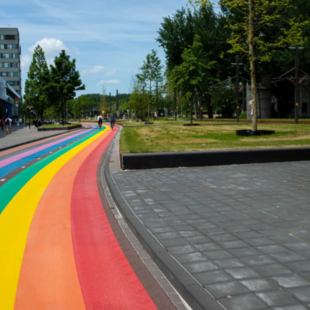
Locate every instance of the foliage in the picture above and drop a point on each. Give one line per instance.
(189, 76)
(64, 81)
(137, 102)
(253, 24)
(37, 82)
(151, 73)
(223, 101)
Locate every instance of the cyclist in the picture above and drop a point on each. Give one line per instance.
(112, 120)
(100, 120)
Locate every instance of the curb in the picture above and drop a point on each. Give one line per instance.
(213, 158)
(60, 128)
(194, 294)
(35, 140)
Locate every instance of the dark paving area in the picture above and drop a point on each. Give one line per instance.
(22, 134)
(243, 232)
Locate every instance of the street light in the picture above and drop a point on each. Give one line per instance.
(29, 108)
(296, 48)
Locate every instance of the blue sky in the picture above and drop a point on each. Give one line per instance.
(108, 39)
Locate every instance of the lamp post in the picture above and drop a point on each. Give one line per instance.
(79, 111)
(296, 48)
(237, 86)
(29, 108)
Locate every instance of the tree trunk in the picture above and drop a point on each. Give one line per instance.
(191, 111)
(201, 109)
(252, 65)
(186, 108)
(149, 102)
(209, 107)
(196, 109)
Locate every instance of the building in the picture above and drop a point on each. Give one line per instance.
(277, 99)
(10, 52)
(8, 100)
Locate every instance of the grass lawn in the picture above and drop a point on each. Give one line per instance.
(59, 125)
(201, 138)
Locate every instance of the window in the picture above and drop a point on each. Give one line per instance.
(1, 37)
(11, 46)
(9, 55)
(2, 46)
(10, 37)
(13, 83)
(15, 65)
(7, 65)
(15, 73)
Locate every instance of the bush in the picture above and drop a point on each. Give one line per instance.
(243, 115)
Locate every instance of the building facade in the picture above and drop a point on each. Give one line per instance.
(10, 52)
(8, 100)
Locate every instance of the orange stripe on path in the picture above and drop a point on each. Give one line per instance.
(48, 278)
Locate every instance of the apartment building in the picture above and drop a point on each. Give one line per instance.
(10, 52)
(10, 72)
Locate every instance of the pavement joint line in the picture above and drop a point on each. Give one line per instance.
(161, 279)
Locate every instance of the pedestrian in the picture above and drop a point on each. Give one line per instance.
(99, 120)
(112, 120)
(8, 124)
(2, 123)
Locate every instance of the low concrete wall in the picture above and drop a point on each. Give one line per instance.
(60, 128)
(213, 158)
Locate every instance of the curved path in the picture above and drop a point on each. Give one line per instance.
(57, 248)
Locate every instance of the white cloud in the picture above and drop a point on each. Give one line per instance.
(50, 46)
(111, 73)
(109, 82)
(93, 70)
(25, 62)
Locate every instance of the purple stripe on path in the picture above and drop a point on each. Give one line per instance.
(23, 155)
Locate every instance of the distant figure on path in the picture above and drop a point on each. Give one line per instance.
(112, 120)
(2, 123)
(8, 124)
(99, 120)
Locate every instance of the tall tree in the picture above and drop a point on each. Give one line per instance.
(191, 75)
(64, 81)
(151, 73)
(249, 21)
(37, 82)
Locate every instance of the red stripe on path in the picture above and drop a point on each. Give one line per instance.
(107, 280)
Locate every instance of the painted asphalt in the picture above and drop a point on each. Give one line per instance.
(57, 247)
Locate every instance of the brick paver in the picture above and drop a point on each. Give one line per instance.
(243, 232)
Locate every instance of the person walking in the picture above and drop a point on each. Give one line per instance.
(112, 120)
(8, 124)
(99, 120)
(2, 123)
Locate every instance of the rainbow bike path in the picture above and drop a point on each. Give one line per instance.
(57, 248)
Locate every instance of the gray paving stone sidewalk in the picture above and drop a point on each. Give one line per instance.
(22, 134)
(243, 232)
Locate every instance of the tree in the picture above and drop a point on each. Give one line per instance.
(189, 77)
(137, 101)
(64, 81)
(249, 21)
(151, 72)
(176, 34)
(37, 82)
